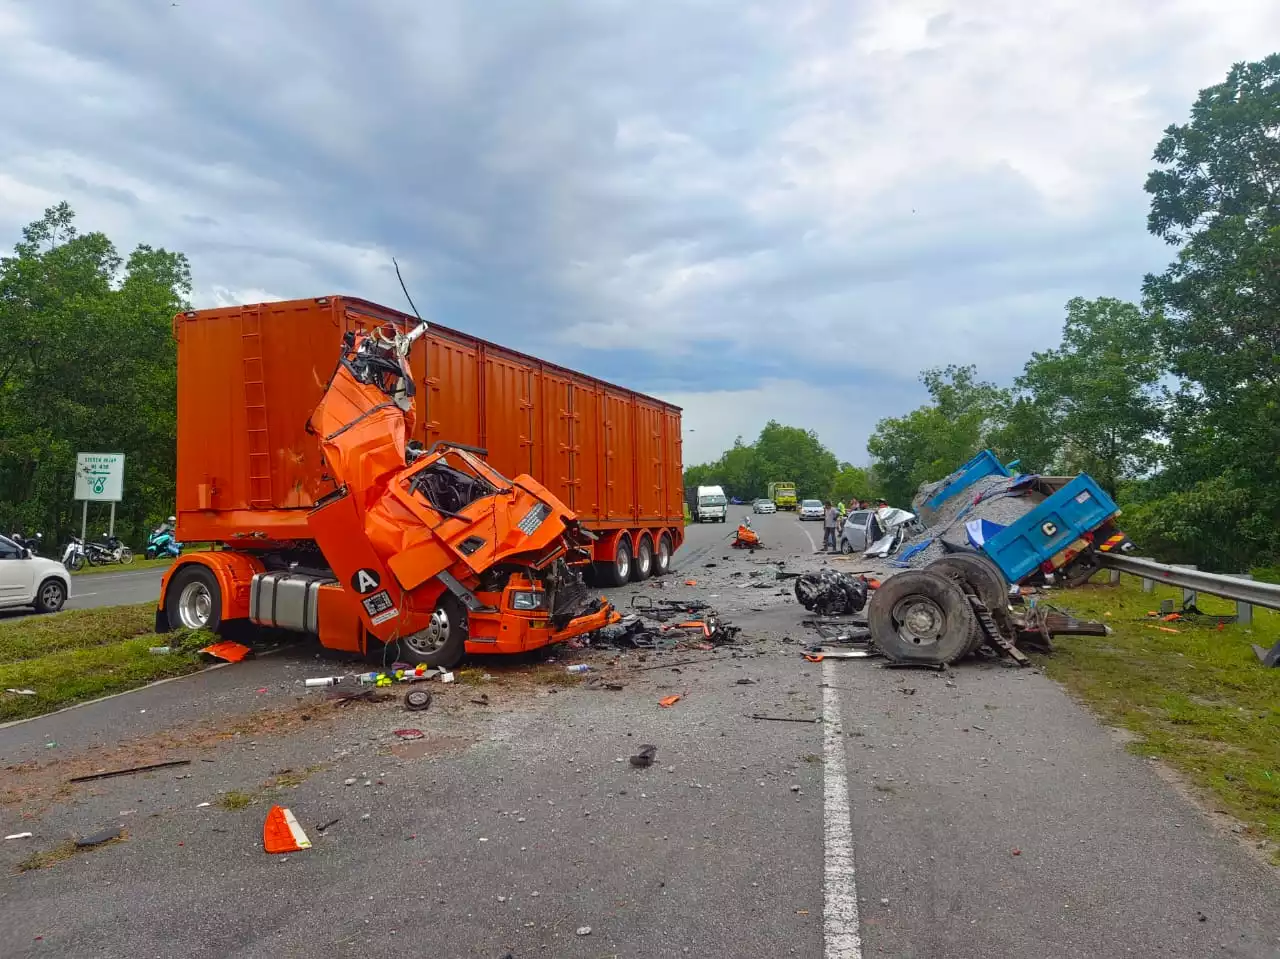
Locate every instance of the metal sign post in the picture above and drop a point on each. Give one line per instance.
(99, 478)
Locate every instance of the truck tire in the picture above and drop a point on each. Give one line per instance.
(50, 596)
(921, 617)
(194, 599)
(985, 578)
(662, 559)
(443, 643)
(642, 568)
(618, 573)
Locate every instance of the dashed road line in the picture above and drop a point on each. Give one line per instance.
(843, 940)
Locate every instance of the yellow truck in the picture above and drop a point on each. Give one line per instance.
(783, 495)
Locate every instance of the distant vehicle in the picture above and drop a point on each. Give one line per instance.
(764, 506)
(783, 495)
(161, 543)
(108, 550)
(812, 509)
(30, 580)
(707, 504)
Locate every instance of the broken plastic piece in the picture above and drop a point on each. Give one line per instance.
(691, 582)
(282, 833)
(644, 758)
(227, 650)
(19, 835)
(669, 700)
(98, 838)
(409, 733)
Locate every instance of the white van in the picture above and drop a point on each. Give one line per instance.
(712, 507)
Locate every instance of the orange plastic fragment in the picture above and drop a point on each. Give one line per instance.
(691, 582)
(231, 652)
(282, 832)
(669, 701)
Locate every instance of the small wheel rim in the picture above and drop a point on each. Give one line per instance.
(664, 554)
(51, 596)
(624, 562)
(126, 557)
(919, 621)
(644, 560)
(195, 606)
(431, 639)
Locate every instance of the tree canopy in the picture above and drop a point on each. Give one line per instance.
(90, 368)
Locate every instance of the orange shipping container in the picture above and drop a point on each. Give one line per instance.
(249, 377)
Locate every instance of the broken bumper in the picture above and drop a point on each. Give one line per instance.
(604, 615)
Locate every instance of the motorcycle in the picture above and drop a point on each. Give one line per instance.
(73, 556)
(162, 543)
(110, 550)
(29, 543)
(746, 537)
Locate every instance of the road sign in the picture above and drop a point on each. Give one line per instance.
(100, 477)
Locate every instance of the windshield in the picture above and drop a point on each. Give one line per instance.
(711, 501)
(815, 504)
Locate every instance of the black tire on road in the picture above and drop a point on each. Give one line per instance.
(194, 599)
(987, 581)
(618, 573)
(921, 617)
(443, 643)
(846, 547)
(51, 595)
(662, 558)
(642, 568)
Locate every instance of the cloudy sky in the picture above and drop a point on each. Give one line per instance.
(755, 209)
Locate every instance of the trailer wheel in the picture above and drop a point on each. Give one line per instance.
(618, 573)
(443, 642)
(662, 559)
(643, 566)
(921, 617)
(987, 581)
(194, 599)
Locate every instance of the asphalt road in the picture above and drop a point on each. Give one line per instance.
(115, 589)
(979, 813)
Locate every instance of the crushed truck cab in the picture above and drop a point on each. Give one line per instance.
(431, 552)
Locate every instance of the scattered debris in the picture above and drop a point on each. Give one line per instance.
(130, 771)
(818, 655)
(231, 652)
(21, 692)
(782, 719)
(745, 682)
(668, 701)
(98, 838)
(691, 582)
(331, 822)
(584, 930)
(481, 700)
(644, 758)
(19, 835)
(830, 593)
(281, 832)
(416, 700)
(578, 668)
(409, 733)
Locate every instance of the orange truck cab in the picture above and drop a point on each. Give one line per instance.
(430, 552)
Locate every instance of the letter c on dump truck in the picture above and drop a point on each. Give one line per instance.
(370, 480)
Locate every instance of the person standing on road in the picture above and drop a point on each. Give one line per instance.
(829, 519)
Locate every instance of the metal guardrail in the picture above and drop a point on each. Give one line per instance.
(1215, 584)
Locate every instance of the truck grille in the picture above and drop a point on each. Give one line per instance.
(568, 601)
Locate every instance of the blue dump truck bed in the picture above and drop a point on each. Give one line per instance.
(1054, 531)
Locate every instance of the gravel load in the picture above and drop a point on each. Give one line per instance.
(948, 521)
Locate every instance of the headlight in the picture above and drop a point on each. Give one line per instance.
(528, 599)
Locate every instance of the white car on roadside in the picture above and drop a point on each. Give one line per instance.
(30, 580)
(764, 506)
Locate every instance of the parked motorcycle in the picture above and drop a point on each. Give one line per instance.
(109, 550)
(73, 556)
(161, 543)
(31, 543)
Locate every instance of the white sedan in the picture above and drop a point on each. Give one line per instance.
(812, 509)
(29, 580)
(764, 506)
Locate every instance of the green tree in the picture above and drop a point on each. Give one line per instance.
(1216, 196)
(790, 453)
(1095, 399)
(850, 483)
(931, 441)
(89, 368)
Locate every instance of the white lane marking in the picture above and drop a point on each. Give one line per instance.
(812, 545)
(80, 596)
(840, 910)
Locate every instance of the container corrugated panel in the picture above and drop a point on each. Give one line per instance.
(1079, 507)
(250, 376)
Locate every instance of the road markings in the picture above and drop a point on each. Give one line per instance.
(840, 910)
(812, 545)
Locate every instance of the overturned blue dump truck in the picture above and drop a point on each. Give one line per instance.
(985, 529)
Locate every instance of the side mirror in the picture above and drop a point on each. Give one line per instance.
(26, 553)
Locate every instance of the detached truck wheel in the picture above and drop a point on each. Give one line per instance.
(443, 642)
(921, 617)
(985, 578)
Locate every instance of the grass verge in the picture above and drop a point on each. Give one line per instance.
(86, 653)
(137, 564)
(1196, 698)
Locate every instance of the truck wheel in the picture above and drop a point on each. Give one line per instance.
(194, 599)
(662, 559)
(619, 572)
(443, 642)
(921, 617)
(985, 578)
(642, 569)
(50, 596)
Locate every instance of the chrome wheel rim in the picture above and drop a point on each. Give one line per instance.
(195, 606)
(432, 639)
(919, 621)
(664, 554)
(645, 560)
(51, 595)
(624, 562)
